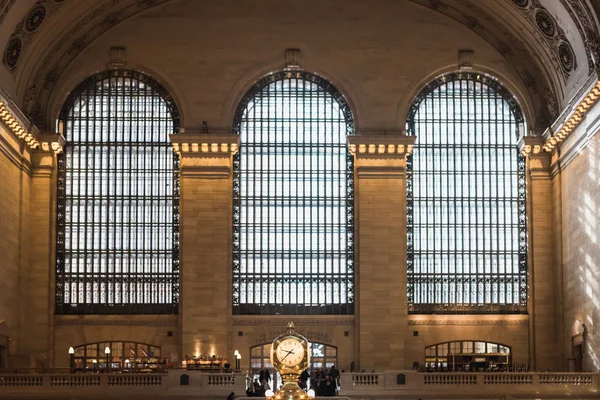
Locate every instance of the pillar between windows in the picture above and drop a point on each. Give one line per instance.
(40, 255)
(381, 304)
(206, 162)
(544, 301)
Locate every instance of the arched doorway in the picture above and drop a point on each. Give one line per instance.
(322, 356)
(468, 355)
(124, 355)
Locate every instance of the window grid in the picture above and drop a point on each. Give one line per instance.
(118, 199)
(467, 239)
(293, 204)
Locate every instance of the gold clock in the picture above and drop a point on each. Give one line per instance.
(290, 352)
(290, 355)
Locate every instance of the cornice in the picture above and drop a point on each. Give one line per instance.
(298, 322)
(68, 321)
(573, 114)
(205, 145)
(477, 322)
(381, 146)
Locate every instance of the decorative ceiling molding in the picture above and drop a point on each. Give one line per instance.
(563, 56)
(105, 16)
(5, 6)
(577, 110)
(25, 30)
(472, 13)
(586, 25)
(510, 46)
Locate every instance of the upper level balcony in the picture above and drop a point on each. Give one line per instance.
(176, 383)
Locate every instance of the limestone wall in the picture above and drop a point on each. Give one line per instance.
(14, 213)
(581, 238)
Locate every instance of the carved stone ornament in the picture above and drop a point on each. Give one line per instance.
(25, 30)
(465, 59)
(117, 57)
(292, 58)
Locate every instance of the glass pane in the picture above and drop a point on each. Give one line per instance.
(466, 219)
(293, 196)
(118, 187)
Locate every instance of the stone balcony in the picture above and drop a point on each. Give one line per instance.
(388, 384)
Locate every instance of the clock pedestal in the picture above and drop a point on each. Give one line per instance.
(290, 391)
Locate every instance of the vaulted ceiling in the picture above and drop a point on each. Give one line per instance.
(553, 45)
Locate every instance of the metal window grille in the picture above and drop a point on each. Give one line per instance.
(118, 199)
(467, 238)
(293, 200)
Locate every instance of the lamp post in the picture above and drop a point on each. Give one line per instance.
(95, 362)
(71, 359)
(238, 358)
(107, 352)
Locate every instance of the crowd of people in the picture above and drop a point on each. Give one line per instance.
(325, 382)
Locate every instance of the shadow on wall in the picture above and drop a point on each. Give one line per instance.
(3, 344)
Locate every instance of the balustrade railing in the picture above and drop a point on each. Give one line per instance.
(450, 379)
(508, 378)
(365, 379)
(74, 380)
(388, 383)
(20, 380)
(221, 379)
(566, 379)
(135, 380)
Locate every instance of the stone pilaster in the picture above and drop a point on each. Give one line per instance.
(38, 279)
(205, 241)
(544, 302)
(381, 315)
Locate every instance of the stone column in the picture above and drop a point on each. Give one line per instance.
(205, 241)
(38, 278)
(544, 302)
(380, 193)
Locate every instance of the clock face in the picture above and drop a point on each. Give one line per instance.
(290, 352)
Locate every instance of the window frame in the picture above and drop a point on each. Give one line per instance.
(62, 277)
(478, 307)
(255, 308)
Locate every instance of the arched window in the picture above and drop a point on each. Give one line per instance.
(467, 240)
(118, 198)
(293, 248)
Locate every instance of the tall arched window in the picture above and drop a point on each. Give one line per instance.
(293, 248)
(467, 240)
(118, 198)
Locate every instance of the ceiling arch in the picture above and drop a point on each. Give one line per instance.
(550, 44)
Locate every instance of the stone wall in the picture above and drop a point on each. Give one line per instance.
(14, 213)
(580, 236)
